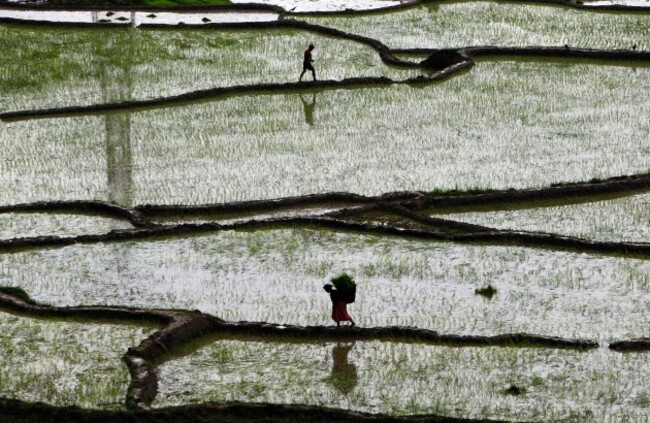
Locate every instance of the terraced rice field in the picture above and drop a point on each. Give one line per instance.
(480, 23)
(173, 253)
(484, 129)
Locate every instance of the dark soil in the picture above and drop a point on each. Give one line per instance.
(23, 412)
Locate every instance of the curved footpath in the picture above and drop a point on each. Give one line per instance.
(182, 326)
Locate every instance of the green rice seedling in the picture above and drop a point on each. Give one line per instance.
(514, 390)
(65, 363)
(365, 143)
(480, 23)
(486, 291)
(468, 384)
(345, 285)
(65, 66)
(540, 291)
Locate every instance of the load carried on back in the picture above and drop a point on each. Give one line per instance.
(346, 287)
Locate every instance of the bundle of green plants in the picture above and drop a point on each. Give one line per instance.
(486, 291)
(346, 286)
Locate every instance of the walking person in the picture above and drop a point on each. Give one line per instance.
(339, 306)
(307, 63)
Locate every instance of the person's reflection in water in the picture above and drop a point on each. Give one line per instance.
(344, 373)
(309, 109)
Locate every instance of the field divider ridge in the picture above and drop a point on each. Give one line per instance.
(183, 326)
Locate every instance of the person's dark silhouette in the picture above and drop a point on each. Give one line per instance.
(309, 109)
(344, 374)
(307, 63)
(339, 306)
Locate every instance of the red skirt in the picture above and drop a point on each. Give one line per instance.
(340, 312)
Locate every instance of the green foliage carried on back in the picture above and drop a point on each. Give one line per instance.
(343, 282)
(346, 286)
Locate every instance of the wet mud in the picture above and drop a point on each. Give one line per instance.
(16, 411)
(631, 345)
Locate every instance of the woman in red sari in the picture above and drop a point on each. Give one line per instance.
(339, 306)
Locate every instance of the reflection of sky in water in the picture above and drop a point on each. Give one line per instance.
(414, 379)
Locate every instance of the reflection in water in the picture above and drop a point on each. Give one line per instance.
(344, 373)
(115, 74)
(118, 159)
(308, 108)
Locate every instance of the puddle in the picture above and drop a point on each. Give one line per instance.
(81, 66)
(483, 129)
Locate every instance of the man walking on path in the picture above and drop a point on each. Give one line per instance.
(307, 63)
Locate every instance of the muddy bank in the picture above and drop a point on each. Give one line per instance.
(91, 207)
(232, 91)
(397, 334)
(179, 328)
(631, 345)
(569, 52)
(16, 411)
(415, 201)
(453, 232)
(296, 202)
(431, 203)
(565, 52)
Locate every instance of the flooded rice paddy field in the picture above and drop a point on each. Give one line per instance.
(481, 23)
(16, 225)
(557, 385)
(277, 276)
(51, 67)
(65, 362)
(621, 219)
(504, 124)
